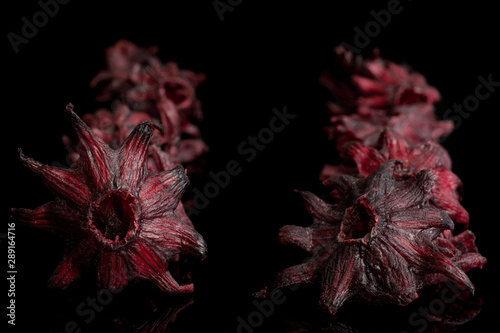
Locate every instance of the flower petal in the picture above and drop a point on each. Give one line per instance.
(161, 192)
(94, 153)
(382, 182)
(429, 156)
(368, 86)
(174, 236)
(307, 238)
(387, 273)
(320, 210)
(169, 117)
(303, 273)
(64, 183)
(367, 159)
(394, 147)
(412, 192)
(148, 265)
(112, 271)
(71, 266)
(55, 216)
(339, 273)
(445, 195)
(420, 218)
(133, 154)
(421, 253)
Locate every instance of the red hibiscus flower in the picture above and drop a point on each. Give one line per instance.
(375, 94)
(116, 213)
(379, 241)
(113, 127)
(374, 86)
(416, 123)
(143, 88)
(431, 156)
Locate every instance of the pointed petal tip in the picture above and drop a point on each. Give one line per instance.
(470, 286)
(21, 155)
(306, 195)
(139, 138)
(158, 127)
(185, 288)
(76, 121)
(28, 161)
(69, 107)
(168, 284)
(147, 127)
(202, 247)
(181, 171)
(81, 127)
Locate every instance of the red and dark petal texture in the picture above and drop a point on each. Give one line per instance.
(139, 77)
(361, 161)
(385, 229)
(462, 307)
(113, 127)
(127, 61)
(143, 88)
(373, 94)
(416, 123)
(374, 86)
(379, 241)
(116, 211)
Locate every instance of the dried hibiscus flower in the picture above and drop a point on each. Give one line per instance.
(138, 77)
(117, 214)
(430, 155)
(379, 242)
(384, 231)
(142, 88)
(374, 94)
(415, 122)
(113, 127)
(374, 86)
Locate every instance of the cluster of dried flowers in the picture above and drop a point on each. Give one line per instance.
(142, 88)
(383, 232)
(385, 229)
(118, 205)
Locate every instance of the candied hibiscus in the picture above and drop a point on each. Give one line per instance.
(379, 241)
(117, 213)
(430, 155)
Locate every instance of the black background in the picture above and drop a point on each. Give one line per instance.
(263, 55)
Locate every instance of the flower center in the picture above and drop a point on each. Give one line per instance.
(114, 218)
(359, 221)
